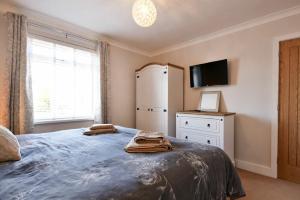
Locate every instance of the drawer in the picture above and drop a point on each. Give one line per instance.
(204, 124)
(194, 136)
(212, 140)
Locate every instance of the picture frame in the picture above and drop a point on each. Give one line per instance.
(209, 101)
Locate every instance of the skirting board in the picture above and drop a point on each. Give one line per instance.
(255, 168)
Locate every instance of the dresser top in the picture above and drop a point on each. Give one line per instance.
(196, 112)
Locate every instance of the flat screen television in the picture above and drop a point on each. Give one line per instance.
(207, 74)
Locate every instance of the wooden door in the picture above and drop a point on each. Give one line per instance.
(289, 111)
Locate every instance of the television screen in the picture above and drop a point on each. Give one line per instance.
(207, 74)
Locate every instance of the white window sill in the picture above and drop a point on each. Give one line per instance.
(58, 121)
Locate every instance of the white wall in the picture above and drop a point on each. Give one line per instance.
(123, 65)
(250, 93)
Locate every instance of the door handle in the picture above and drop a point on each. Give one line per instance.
(208, 125)
(186, 122)
(208, 141)
(148, 109)
(186, 137)
(151, 109)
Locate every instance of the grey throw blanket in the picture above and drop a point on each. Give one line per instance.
(69, 165)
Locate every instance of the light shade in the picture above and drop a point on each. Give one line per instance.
(144, 13)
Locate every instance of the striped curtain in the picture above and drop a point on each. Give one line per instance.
(16, 107)
(105, 84)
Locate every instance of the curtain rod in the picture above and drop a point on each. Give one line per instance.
(51, 28)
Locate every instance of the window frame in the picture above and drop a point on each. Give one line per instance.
(71, 45)
(58, 121)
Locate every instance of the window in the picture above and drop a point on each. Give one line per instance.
(63, 81)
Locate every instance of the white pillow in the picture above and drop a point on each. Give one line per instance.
(9, 146)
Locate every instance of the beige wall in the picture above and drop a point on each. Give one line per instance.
(250, 93)
(123, 65)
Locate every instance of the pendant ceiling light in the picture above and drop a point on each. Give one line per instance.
(144, 13)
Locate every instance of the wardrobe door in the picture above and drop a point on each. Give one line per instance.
(142, 119)
(157, 76)
(156, 89)
(141, 108)
(138, 89)
(156, 119)
(151, 92)
(145, 91)
(146, 87)
(164, 108)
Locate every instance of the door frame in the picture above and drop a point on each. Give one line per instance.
(275, 100)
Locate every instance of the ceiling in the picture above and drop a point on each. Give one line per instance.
(178, 20)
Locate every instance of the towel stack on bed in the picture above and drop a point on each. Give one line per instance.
(148, 142)
(100, 128)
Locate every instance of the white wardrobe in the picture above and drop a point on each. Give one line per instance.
(159, 95)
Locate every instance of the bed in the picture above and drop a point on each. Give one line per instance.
(68, 165)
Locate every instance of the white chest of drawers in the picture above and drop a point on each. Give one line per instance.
(215, 129)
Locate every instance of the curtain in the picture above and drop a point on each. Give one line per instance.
(18, 114)
(104, 114)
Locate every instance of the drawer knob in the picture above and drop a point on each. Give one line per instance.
(186, 122)
(208, 125)
(208, 141)
(186, 137)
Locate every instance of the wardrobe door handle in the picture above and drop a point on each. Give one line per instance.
(186, 122)
(151, 109)
(148, 109)
(208, 141)
(186, 137)
(208, 125)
